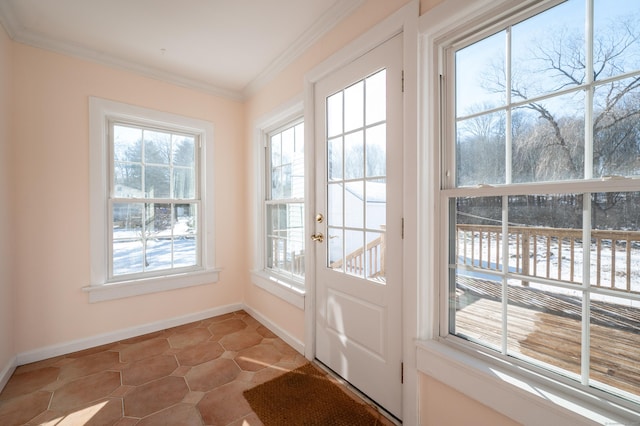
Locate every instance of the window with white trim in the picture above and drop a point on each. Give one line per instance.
(279, 164)
(540, 190)
(151, 201)
(284, 202)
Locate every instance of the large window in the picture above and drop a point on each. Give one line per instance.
(151, 201)
(154, 202)
(540, 192)
(284, 203)
(279, 238)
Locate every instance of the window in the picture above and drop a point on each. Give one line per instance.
(539, 192)
(284, 202)
(151, 201)
(279, 259)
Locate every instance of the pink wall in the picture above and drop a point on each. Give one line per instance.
(7, 351)
(441, 405)
(51, 179)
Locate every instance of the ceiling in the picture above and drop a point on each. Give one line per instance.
(225, 47)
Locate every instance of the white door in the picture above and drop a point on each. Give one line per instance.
(358, 230)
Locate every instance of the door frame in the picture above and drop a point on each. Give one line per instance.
(405, 22)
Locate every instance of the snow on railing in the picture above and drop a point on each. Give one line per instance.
(555, 253)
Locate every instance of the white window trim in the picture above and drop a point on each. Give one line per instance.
(519, 393)
(100, 110)
(285, 288)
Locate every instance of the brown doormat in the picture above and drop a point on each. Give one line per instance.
(306, 396)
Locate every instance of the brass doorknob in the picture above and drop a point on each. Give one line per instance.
(318, 237)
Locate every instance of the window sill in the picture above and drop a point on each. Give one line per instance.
(521, 395)
(279, 287)
(119, 290)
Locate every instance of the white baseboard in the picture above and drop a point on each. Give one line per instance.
(103, 339)
(278, 331)
(6, 372)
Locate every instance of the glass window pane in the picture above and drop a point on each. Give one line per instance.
(127, 143)
(354, 155)
(334, 115)
(374, 256)
(615, 318)
(480, 75)
(276, 150)
(479, 232)
(334, 200)
(157, 181)
(185, 220)
(354, 258)
(159, 253)
(127, 236)
(334, 165)
(548, 51)
(545, 236)
(480, 150)
(544, 323)
(354, 106)
(183, 151)
(127, 257)
(184, 182)
(376, 204)
(615, 241)
(376, 97)
(477, 313)
(157, 147)
(288, 145)
(616, 128)
(354, 205)
(127, 180)
(285, 238)
(616, 47)
(185, 251)
(550, 143)
(377, 151)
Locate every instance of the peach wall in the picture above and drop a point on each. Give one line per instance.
(441, 405)
(7, 350)
(51, 181)
(284, 87)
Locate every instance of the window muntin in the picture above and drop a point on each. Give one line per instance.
(154, 203)
(521, 281)
(356, 173)
(284, 203)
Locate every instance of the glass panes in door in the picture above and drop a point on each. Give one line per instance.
(356, 178)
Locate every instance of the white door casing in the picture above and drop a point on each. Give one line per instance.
(358, 263)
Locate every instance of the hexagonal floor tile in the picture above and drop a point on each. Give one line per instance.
(257, 357)
(154, 396)
(199, 354)
(240, 340)
(30, 381)
(212, 374)
(80, 392)
(223, 328)
(189, 337)
(149, 369)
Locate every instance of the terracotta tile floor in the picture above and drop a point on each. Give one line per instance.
(189, 375)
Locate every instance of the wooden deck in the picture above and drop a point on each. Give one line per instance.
(547, 327)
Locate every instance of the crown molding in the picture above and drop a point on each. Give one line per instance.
(77, 51)
(340, 10)
(327, 21)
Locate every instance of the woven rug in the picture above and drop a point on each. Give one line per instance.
(306, 396)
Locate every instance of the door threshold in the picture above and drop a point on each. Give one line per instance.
(368, 401)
